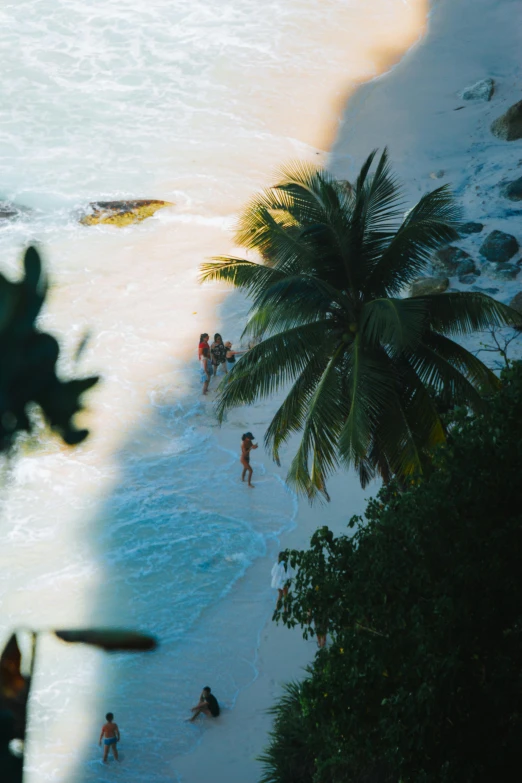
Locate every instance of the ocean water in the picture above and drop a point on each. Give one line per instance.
(146, 524)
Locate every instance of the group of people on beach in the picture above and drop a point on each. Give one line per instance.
(110, 734)
(212, 357)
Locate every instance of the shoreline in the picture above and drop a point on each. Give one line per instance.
(419, 92)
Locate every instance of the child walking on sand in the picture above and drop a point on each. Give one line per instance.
(246, 448)
(110, 734)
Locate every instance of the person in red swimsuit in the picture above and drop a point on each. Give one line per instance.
(203, 343)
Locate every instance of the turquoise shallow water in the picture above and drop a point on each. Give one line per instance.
(192, 103)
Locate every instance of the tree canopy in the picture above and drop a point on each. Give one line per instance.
(357, 358)
(421, 681)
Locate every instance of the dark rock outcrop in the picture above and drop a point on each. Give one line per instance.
(121, 213)
(513, 190)
(467, 279)
(471, 228)
(499, 247)
(509, 125)
(480, 91)
(429, 285)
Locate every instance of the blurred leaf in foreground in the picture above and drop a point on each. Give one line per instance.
(14, 694)
(109, 639)
(28, 360)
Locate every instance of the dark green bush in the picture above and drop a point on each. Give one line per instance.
(422, 680)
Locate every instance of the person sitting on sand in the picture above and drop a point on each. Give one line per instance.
(208, 705)
(231, 355)
(205, 368)
(246, 448)
(219, 354)
(110, 734)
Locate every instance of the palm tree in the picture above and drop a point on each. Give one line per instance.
(361, 358)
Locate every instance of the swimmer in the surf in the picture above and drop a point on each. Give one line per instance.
(110, 734)
(246, 448)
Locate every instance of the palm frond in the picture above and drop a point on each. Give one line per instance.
(433, 222)
(276, 236)
(452, 371)
(270, 365)
(468, 365)
(247, 275)
(464, 312)
(326, 410)
(369, 384)
(398, 323)
(291, 415)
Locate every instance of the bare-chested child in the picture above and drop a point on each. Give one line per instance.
(110, 734)
(246, 448)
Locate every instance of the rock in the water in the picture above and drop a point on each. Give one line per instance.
(480, 91)
(429, 285)
(509, 125)
(122, 213)
(503, 271)
(437, 174)
(499, 247)
(447, 260)
(513, 190)
(467, 279)
(471, 228)
(11, 211)
(516, 302)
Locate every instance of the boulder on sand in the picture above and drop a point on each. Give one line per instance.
(471, 228)
(467, 279)
(447, 260)
(509, 125)
(512, 190)
(451, 260)
(121, 213)
(503, 271)
(499, 247)
(429, 285)
(480, 91)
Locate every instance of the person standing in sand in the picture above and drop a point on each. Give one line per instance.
(246, 448)
(203, 343)
(206, 368)
(110, 734)
(219, 354)
(231, 355)
(281, 574)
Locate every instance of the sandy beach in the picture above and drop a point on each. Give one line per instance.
(434, 137)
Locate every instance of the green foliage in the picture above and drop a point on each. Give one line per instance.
(28, 360)
(421, 681)
(358, 357)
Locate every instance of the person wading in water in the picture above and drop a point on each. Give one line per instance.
(246, 448)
